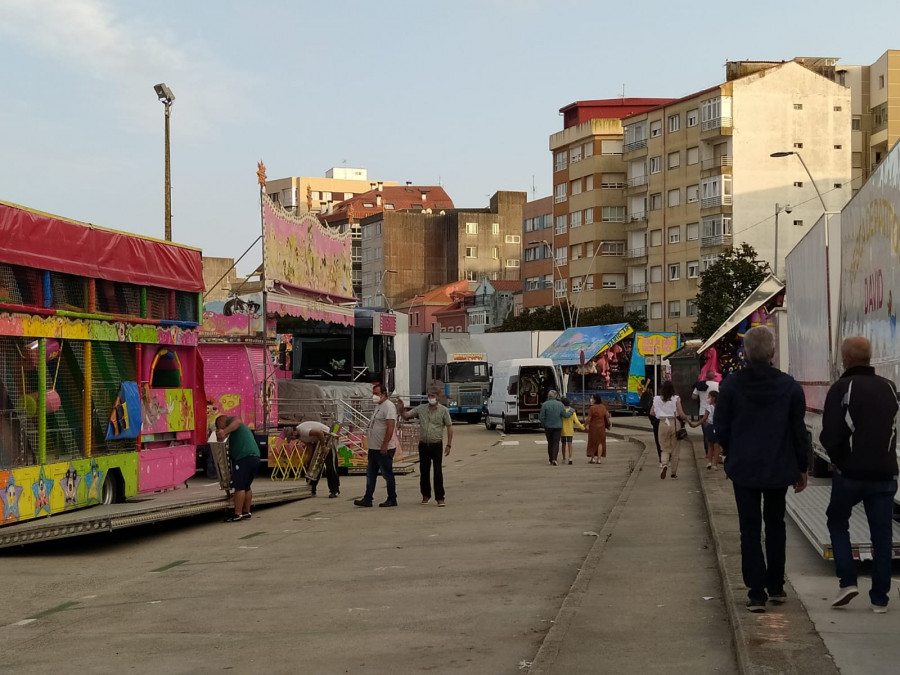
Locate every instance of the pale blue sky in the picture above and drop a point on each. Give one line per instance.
(465, 92)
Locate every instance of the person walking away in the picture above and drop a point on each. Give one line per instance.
(859, 433)
(433, 419)
(759, 423)
(701, 393)
(317, 432)
(645, 407)
(706, 423)
(551, 416)
(382, 446)
(598, 421)
(667, 409)
(569, 424)
(244, 454)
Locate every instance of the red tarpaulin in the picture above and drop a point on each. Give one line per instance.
(46, 242)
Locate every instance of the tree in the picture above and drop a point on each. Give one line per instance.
(724, 286)
(549, 318)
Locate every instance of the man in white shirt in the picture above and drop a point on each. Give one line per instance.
(382, 445)
(701, 393)
(315, 433)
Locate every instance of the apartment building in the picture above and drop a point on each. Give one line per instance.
(299, 194)
(700, 178)
(409, 253)
(538, 269)
(586, 245)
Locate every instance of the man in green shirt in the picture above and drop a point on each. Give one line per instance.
(244, 454)
(433, 419)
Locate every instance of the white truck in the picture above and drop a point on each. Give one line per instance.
(518, 389)
(840, 282)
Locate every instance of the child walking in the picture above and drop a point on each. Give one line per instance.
(568, 430)
(709, 431)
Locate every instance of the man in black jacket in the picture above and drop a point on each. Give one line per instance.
(859, 432)
(759, 422)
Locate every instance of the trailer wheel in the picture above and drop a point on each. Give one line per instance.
(490, 426)
(507, 426)
(113, 491)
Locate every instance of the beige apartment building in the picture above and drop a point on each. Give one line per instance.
(299, 194)
(700, 178)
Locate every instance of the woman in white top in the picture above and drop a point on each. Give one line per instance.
(667, 409)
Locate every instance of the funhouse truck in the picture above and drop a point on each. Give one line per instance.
(101, 387)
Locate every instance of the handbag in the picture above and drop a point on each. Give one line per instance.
(681, 433)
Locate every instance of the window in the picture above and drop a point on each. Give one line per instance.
(673, 123)
(613, 214)
(798, 106)
(613, 281)
(532, 283)
(561, 224)
(610, 147)
(471, 251)
(495, 252)
(655, 237)
(512, 239)
(389, 207)
(655, 164)
(478, 319)
(656, 201)
(575, 251)
(562, 255)
(560, 158)
(656, 274)
(881, 81)
(693, 269)
(692, 307)
(368, 205)
(613, 181)
(613, 248)
(576, 187)
(589, 182)
(655, 310)
(576, 284)
(675, 234)
(575, 154)
(798, 145)
(495, 228)
(674, 308)
(692, 193)
(560, 192)
(471, 275)
(673, 197)
(589, 216)
(692, 231)
(707, 260)
(798, 183)
(471, 228)
(674, 160)
(512, 262)
(855, 124)
(838, 147)
(575, 219)
(693, 156)
(655, 128)
(692, 116)
(588, 149)
(798, 223)
(674, 271)
(559, 288)
(837, 108)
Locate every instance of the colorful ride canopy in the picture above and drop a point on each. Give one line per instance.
(593, 340)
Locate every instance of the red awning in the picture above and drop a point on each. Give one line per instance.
(46, 242)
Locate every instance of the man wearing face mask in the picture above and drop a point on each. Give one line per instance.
(433, 419)
(382, 445)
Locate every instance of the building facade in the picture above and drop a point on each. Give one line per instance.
(299, 194)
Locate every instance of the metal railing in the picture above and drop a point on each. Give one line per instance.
(634, 289)
(634, 145)
(637, 216)
(716, 240)
(636, 181)
(712, 202)
(716, 123)
(636, 252)
(716, 162)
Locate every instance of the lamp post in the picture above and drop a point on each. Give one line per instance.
(812, 180)
(379, 287)
(584, 282)
(778, 209)
(535, 242)
(166, 97)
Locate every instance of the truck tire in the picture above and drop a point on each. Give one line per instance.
(113, 490)
(473, 418)
(490, 426)
(507, 426)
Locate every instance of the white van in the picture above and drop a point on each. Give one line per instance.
(518, 388)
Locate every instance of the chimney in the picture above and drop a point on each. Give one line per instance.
(408, 183)
(380, 185)
(377, 200)
(371, 186)
(330, 205)
(424, 195)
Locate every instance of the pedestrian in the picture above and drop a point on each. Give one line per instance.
(759, 423)
(382, 445)
(707, 424)
(569, 424)
(598, 421)
(318, 433)
(551, 417)
(701, 393)
(244, 454)
(859, 433)
(433, 419)
(667, 409)
(645, 407)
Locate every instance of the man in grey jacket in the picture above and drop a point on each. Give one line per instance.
(552, 414)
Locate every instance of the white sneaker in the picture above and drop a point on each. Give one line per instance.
(846, 594)
(879, 609)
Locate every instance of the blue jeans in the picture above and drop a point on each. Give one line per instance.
(384, 464)
(761, 573)
(878, 499)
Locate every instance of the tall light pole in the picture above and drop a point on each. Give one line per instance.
(812, 180)
(535, 242)
(379, 287)
(778, 209)
(166, 96)
(584, 282)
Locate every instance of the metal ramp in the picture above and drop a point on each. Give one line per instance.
(808, 511)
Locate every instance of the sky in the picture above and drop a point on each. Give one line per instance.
(461, 93)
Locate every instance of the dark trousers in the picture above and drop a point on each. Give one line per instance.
(431, 454)
(384, 464)
(331, 473)
(878, 499)
(654, 422)
(553, 436)
(761, 573)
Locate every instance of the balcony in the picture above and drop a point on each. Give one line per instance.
(637, 181)
(633, 253)
(715, 240)
(635, 145)
(717, 162)
(635, 289)
(718, 126)
(713, 202)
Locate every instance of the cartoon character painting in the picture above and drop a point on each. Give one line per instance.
(10, 496)
(94, 480)
(70, 487)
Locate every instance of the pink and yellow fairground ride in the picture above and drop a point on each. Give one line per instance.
(101, 385)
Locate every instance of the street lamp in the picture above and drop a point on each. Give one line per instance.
(787, 208)
(166, 97)
(379, 287)
(584, 282)
(535, 242)
(811, 179)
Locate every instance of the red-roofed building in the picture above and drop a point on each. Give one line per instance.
(423, 309)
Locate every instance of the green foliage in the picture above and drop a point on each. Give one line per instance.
(724, 286)
(543, 318)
